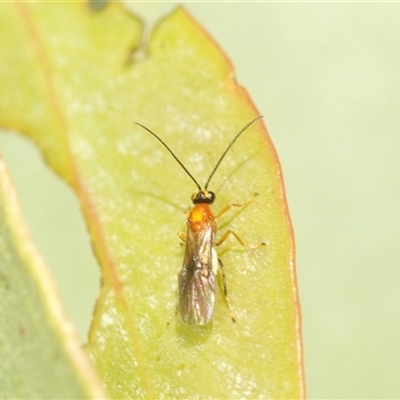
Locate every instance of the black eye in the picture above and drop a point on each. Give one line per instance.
(211, 196)
(204, 196)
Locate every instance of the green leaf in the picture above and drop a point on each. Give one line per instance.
(76, 92)
(40, 353)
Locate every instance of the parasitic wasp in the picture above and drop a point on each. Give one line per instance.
(197, 277)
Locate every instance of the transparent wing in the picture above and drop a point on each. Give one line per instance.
(196, 280)
(196, 296)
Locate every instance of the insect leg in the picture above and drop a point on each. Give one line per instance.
(229, 206)
(172, 317)
(221, 266)
(182, 236)
(239, 239)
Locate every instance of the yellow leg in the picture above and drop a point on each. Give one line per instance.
(229, 206)
(228, 302)
(239, 239)
(172, 317)
(182, 236)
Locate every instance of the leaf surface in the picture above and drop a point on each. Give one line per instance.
(76, 92)
(40, 353)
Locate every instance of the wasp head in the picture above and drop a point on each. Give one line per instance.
(203, 196)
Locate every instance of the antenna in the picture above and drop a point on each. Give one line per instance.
(219, 161)
(227, 149)
(173, 155)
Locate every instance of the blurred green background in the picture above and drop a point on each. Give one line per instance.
(327, 78)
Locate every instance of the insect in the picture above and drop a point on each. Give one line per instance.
(197, 277)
